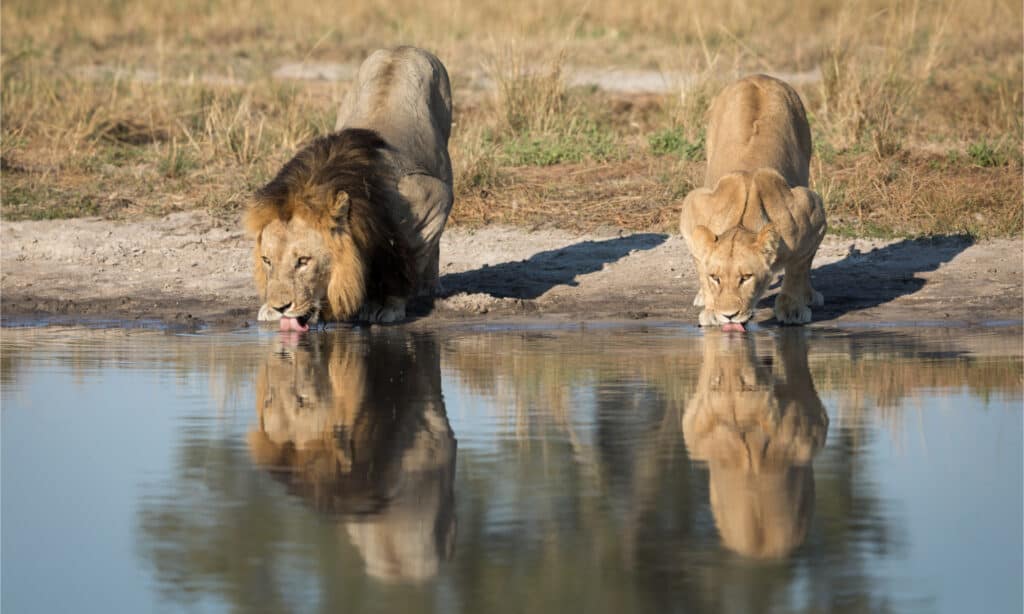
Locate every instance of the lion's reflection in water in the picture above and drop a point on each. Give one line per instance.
(355, 425)
(757, 432)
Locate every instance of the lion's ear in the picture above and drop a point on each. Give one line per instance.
(768, 243)
(702, 241)
(341, 207)
(260, 213)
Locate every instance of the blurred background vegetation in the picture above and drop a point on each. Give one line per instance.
(122, 109)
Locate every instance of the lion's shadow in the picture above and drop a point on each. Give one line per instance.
(863, 280)
(530, 278)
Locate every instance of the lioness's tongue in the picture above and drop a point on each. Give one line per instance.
(733, 327)
(292, 324)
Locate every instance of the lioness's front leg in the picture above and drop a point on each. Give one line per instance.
(793, 304)
(698, 301)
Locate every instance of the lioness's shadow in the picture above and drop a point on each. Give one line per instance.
(863, 280)
(530, 278)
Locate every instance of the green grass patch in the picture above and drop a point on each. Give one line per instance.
(986, 155)
(590, 142)
(673, 141)
(42, 203)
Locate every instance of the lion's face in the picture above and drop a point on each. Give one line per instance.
(296, 263)
(735, 271)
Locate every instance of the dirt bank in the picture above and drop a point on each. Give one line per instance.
(188, 269)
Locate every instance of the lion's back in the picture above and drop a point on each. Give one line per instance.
(758, 122)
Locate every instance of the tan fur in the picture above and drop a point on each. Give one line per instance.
(755, 215)
(758, 434)
(404, 95)
(356, 442)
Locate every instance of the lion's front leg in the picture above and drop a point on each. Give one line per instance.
(393, 310)
(796, 297)
(698, 301)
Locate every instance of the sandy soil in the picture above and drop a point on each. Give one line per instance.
(189, 270)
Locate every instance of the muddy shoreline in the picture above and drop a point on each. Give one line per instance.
(189, 270)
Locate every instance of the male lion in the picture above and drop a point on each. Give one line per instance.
(758, 434)
(369, 449)
(755, 214)
(351, 226)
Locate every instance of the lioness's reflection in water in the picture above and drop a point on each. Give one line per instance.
(758, 433)
(355, 424)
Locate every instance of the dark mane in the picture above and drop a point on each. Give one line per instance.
(350, 160)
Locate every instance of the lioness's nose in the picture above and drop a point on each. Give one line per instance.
(730, 315)
(283, 308)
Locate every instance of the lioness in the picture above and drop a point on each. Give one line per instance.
(351, 226)
(755, 214)
(363, 445)
(758, 434)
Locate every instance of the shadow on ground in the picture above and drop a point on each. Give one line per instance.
(530, 278)
(865, 280)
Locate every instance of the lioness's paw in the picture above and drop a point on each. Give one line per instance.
(817, 299)
(266, 314)
(791, 311)
(707, 318)
(698, 301)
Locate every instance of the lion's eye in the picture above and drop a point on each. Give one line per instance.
(266, 261)
(714, 278)
(745, 278)
(301, 262)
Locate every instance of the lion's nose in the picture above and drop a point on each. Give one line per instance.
(283, 308)
(730, 316)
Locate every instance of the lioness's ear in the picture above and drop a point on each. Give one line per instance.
(702, 241)
(768, 243)
(342, 206)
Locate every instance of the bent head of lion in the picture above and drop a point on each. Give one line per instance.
(304, 261)
(736, 270)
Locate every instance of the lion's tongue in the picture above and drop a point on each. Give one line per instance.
(733, 327)
(292, 324)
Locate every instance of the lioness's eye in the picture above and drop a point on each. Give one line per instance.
(301, 262)
(714, 278)
(745, 278)
(266, 261)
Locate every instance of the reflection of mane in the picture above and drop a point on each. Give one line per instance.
(758, 435)
(357, 428)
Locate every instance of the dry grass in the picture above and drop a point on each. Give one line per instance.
(122, 109)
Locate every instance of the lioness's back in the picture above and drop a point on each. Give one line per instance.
(758, 122)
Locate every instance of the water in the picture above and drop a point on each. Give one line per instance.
(592, 469)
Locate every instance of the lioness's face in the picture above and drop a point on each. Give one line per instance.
(297, 264)
(737, 270)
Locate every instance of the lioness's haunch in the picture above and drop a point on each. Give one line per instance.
(755, 215)
(758, 433)
(350, 227)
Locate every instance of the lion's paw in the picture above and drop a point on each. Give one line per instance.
(382, 314)
(791, 311)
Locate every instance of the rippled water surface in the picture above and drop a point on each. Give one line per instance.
(595, 469)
